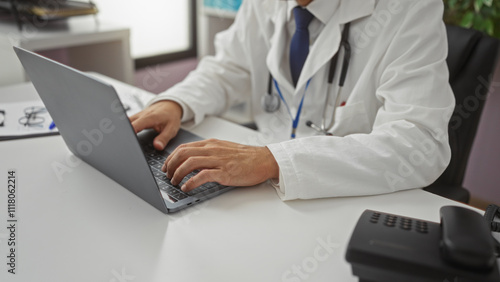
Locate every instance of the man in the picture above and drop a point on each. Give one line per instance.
(390, 118)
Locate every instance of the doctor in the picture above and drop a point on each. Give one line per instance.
(372, 120)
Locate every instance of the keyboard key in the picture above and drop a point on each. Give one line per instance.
(211, 184)
(198, 190)
(156, 159)
(162, 177)
(164, 186)
(156, 165)
(158, 174)
(159, 158)
(174, 193)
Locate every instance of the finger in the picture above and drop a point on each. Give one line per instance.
(165, 136)
(134, 117)
(189, 146)
(143, 123)
(179, 155)
(201, 143)
(204, 176)
(190, 165)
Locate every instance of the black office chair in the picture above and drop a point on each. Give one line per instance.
(471, 60)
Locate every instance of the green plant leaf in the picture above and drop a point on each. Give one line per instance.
(478, 4)
(465, 4)
(468, 19)
(483, 15)
(490, 27)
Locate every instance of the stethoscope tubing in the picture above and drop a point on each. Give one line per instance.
(271, 103)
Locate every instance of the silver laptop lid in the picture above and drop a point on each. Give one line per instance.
(93, 123)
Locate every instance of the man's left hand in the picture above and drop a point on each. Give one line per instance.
(225, 162)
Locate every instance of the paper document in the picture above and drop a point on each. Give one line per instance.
(26, 119)
(31, 118)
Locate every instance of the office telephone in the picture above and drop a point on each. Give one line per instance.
(388, 247)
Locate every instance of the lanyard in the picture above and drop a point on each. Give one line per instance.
(299, 110)
(271, 103)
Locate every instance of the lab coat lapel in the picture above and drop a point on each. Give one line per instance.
(328, 42)
(355, 9)
(277, 49)
(322, 51)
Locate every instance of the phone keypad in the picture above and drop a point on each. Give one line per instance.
(405, 223)
(402, 223)
(390, 220)
(375, 217)
(422, 227)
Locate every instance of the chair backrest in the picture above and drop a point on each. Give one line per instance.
(471, 61)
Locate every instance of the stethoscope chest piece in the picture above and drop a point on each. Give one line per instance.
(271, 102)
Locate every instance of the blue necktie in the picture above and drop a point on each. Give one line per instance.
(299, 47)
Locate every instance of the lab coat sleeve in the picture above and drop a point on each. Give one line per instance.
(219, 81)
(408, 146)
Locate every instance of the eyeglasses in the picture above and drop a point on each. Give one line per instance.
(31, 117)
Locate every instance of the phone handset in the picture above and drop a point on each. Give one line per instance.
(466, 240)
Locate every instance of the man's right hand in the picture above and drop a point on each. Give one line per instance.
(164, 117)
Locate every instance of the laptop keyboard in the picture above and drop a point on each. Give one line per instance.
(156, 159)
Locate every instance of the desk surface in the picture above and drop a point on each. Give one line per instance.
(76, 224)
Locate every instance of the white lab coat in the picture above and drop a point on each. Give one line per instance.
(390, 135)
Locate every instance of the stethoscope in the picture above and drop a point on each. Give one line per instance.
(271, 102)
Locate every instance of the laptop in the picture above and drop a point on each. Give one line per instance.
(94, 125)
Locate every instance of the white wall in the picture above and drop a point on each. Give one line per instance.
(157, 26)
(482, 177)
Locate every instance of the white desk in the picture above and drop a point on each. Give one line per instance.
(86, 227)
(101, 47)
